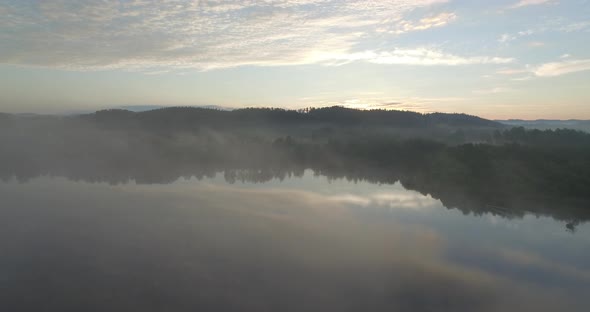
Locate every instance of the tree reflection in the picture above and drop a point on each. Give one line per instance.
(508, 179)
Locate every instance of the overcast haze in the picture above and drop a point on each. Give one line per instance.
(497, 59)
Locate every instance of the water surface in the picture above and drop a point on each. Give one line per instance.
(301, 244)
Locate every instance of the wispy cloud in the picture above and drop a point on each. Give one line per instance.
(561, 25)
(433, 57)
(536, 44)
(504, 38)
(518, 74)
(425, 23)
(523, 3)
(578, 26)
(417, 104)
(523, 78)
(363, 102)
(562, 68)
(174, 34)
(494, 90)
(512, 71)
(419, 56)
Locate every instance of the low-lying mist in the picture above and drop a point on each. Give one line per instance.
(469, 163)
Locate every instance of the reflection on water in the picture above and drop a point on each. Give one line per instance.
(571, 211)
(301, 244)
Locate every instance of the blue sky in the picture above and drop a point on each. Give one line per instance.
(498, 59)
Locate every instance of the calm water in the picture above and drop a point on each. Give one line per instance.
(302, 244)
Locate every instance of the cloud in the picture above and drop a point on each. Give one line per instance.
(419, 56)
(494, 90)
(362, 102)
(562, 68)
(424, 56)
(512, 71)
(380, 101)
(578, 26)
(536, 44)
(552, 69)
(550, 26)
(425, 23)
(522, 78)
(505, 38)
(523, 3)
(157, 36)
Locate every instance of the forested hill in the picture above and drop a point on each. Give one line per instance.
(192, 117)
(463, 160)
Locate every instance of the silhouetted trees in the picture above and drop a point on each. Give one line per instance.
(546, 138)
(523, 170)
(182, 118)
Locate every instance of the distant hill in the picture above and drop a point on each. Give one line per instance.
(544, 124)
(185, 118)
(313, 124)
(143, 108)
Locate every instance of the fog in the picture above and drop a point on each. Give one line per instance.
(546, 173)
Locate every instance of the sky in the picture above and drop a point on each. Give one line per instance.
(525, 59)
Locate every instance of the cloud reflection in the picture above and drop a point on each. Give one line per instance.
(219, 247)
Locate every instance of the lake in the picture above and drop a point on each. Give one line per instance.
(299, 243)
